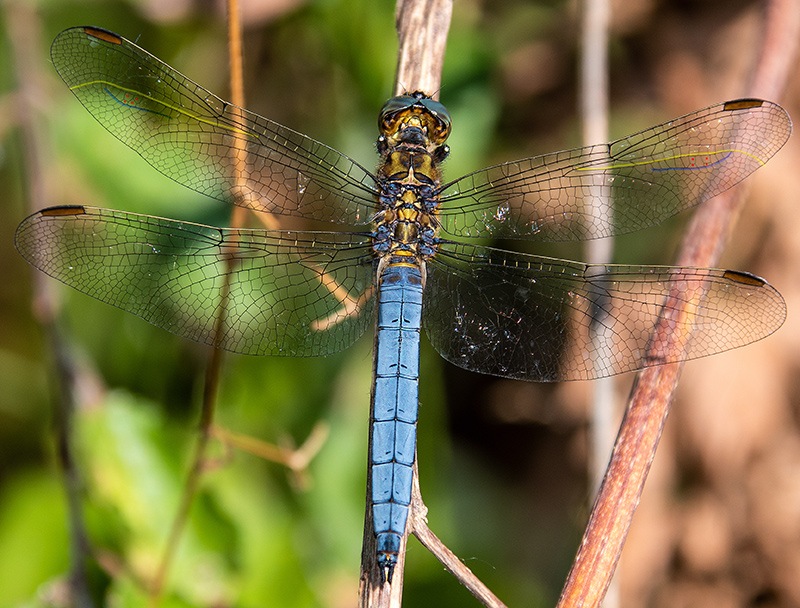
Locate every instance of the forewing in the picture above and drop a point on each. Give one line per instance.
(645, 178)
(190, 135)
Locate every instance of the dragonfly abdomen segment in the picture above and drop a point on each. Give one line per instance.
(394, 424)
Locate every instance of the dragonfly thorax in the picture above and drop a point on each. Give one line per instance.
(407, 225)
(414, 128)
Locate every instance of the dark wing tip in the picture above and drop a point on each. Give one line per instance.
(742, 104)
(101, 34)
(744, 278)
(63, 210)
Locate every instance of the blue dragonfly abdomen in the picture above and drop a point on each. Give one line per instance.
(395, 406)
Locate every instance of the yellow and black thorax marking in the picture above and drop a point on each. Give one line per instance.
(413, 130)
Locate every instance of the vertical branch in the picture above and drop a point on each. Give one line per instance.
(213, 371)
(422, 27)
(236, 56)
(654, 387)
(594, 119)
(594, 94)
(25, 41)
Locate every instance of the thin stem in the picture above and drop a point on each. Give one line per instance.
(25, 38)
(213, 371)
(594, 119)
(294, 459)
(594, 103)
(422, 27)
(192, 479)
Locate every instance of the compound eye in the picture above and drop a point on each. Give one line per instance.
(396, 104)
(437, 109)
(388, 115)
(440, 122)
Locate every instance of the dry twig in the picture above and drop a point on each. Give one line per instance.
(213, 371)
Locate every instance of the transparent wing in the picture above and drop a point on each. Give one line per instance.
(290, 293)
(527, 317)
(648, 177)
(189, 134)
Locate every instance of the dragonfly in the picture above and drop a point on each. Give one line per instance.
(400, 248)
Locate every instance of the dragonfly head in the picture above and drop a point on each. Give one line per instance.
(414, 118)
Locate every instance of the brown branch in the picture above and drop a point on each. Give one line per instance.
(653, 390)
(422, 27)
(213, 371)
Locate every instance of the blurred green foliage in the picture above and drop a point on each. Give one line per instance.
(254, 537)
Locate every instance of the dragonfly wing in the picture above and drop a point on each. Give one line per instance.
(528, 317)
(191, 135)
(646, 177)
(288, 293)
